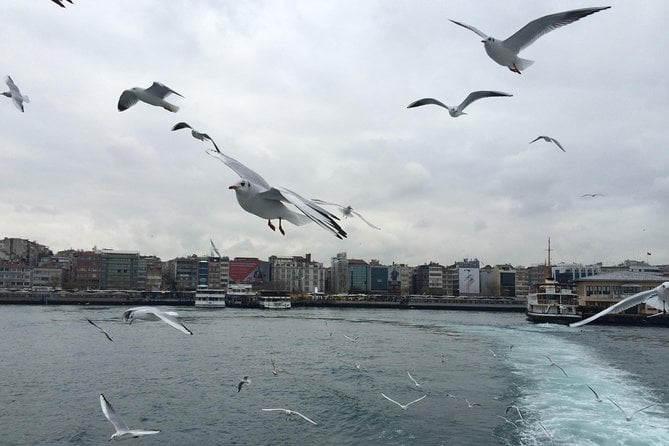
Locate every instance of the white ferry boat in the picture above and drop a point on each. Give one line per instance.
(552, 304)
(273, 302)
(210, 298)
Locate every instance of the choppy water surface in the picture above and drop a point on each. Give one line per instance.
(54, 365)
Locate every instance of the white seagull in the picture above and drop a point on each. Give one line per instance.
(122, 430)
(411, 378)
(554, 364)
(592, 195)
(244, 380)
(629, 417)
(505, 52)
(291, 412)
(15, 94)
(101, 330)
(275, 369)
(658, 298)
(352, 339)
(549, 139)
(459, 109)
(403, 406)
(154, 314)
(257, 197)
(154, 95)
(346, 211)
(195, 133)
(471, 404)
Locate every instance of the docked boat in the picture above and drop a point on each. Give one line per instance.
(274, 302)
(552, 304)
(210, 298)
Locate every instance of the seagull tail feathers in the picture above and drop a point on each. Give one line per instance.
(171, 107)
(523, 64)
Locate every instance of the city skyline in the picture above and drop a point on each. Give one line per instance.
(313, 96)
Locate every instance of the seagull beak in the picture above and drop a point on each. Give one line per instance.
(233, 187)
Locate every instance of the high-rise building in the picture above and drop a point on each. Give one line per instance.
(339, 274)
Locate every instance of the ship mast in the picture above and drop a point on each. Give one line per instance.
(548, 263)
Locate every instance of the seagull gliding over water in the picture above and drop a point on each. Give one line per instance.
(629, 417)
(291, 412)
(459, 109)
(505, 52)
(122, 430)
(403, 406)
(154, 314)
(257, 197)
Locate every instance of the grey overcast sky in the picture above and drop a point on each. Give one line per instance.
(312, 95)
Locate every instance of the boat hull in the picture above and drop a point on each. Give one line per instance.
(562, 319)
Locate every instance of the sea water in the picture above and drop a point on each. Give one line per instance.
(54, 365)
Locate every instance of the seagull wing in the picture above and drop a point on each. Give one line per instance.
(392, 400)
(127, 100)
(316, 213)
(415, 401)
(172, 321)
(96, 326)
(411, 378)
(471, 28)
(160, 90)
(112, 416)
(476, 95)
(12, 86)
(642, 409)
(537, 139)
(616, 404)
(181, 125)
(277, 409)
(363, 219)
(596, 395)
(426, 101)
(140, 432)
(526, 35)
(306, 418)
(623, 305)
(557, 143)
(326, 203)
(239, 168)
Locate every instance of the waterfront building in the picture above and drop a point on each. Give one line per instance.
(47, 278)
(522, 282)
(296, 274)
(149, 273)
(339, 274)
(358, 273)
(429, 279)
(603, 290)
(218, 272)
(378, 279)
(86, 270)
(15, 275)
(568, 273)
(182, 273)
(118, 269)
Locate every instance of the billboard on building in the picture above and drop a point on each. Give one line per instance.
(469, 281)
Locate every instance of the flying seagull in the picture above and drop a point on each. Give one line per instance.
(154, 95)
(60, 2)
(592, 195)
(154, 314)
(101, 330)
(629, 417)
(549, 139)
(347, 211)
(520, 415)
(275, 369)
(195, 133)
(554, 364)
(411, 378)
(122, 430)
(244, 380)
(257, 197)
(291, 412)
(658, 298)
(352, 339)
(505, 52)
(597, 398)
(15, 94)
(460, 109)
(403, 406)
(471, 404)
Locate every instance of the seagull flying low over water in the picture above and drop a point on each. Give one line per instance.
(195, 133)
(17, 98)
(257, 197)
(101, 330)
(597, 398)
(629, 417)
(122, 430)
(658, 298)
(351, 339)
(347, 211)
(154, 95)
(244, 380)
(154, 314)
(291, 412)
(554, 364)
(459, 109)
(549, 139)
(505, 52)
(403, 406)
